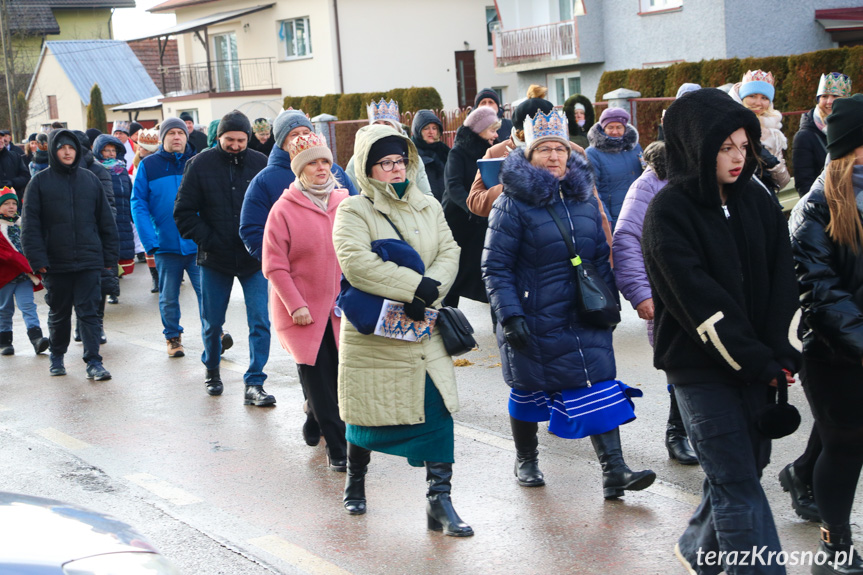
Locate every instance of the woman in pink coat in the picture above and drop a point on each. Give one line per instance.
(300, 262)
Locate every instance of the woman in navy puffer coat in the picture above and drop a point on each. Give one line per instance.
(550, 358)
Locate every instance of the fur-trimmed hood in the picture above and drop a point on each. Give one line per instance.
(536, 186)
(602, 142)
(589, 116)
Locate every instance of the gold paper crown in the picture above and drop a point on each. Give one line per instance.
(834, 83)
(262, 125)
(758, 76)
(303, 143)
(546, 126)
(149, 139)
(388, 111)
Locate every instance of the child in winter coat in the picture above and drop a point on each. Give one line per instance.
(17, 283)
(40, 157)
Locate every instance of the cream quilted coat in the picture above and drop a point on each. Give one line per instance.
(382, 380)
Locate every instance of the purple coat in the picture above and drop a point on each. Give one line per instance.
(629, 273)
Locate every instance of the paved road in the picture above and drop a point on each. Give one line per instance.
(220, 487)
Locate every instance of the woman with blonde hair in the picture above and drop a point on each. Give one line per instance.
(826, 241)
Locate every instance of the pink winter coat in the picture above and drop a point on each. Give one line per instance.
(300, 262)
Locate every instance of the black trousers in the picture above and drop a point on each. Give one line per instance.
(81, 290)
(320, 384)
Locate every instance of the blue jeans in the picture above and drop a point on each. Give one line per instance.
(734, 514)
(22, 293)
(171, 268)
(214, 304)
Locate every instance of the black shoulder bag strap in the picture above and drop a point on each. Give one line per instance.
(386, 217)
(574, 258)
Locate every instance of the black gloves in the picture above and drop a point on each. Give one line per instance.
(516, 333)
(770, 161)
(416, 310)
(427, 291)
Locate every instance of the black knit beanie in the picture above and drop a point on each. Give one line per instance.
(386, 147)
(234, 121)
(845, 126)
(530, 108)
(64, 140)
(486, 93)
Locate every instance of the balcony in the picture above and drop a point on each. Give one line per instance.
(543, 45)
(221, 76)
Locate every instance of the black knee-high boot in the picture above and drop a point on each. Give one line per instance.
(616, 475)
(675, 436)
(836, 544)
(526, 454)
(441, 515)
(154, 274)
(355, 483)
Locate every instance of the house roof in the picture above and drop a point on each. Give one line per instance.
(37, 16)
(147, 52)
(109, 63)
(201, 23)
(171, 5)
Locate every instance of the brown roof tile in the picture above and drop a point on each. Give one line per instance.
(147, 52)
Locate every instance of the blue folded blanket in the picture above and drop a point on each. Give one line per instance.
(363, 309)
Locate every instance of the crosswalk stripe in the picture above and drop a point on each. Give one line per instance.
(297, 556)
(163, 489)
(61, 439)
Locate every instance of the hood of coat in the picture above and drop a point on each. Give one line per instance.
(695, 128)
(422, 119)
(279, 158)
(103, 140)
(600, 140)
(537, 186)
(366, 137)
(470, 142)
(807, 122)
(54, 161)
(589, 115)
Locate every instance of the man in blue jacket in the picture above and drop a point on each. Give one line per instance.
(153, 194)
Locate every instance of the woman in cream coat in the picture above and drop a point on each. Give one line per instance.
(397, 396)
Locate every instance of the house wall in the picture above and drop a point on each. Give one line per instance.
(209, 109)
(83, 24)
(51, 80)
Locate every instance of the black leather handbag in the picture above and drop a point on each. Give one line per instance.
(594, 301)
(455, 330)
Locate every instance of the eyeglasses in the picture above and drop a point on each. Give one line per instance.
(547, 151)
(389, 165)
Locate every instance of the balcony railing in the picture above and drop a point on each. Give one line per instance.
(535, 44)
(222, 76)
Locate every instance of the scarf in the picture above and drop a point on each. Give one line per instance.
(318, 194)
(14, 232)
(820, 123)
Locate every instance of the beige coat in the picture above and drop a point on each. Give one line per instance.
(382, 380)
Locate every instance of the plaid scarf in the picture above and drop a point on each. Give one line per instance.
(14, 232)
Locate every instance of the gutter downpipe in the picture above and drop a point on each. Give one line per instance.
(339, 46)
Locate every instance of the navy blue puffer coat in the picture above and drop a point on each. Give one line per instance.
(122, 193)
(527, 273)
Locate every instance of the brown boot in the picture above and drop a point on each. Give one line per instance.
(175, 347)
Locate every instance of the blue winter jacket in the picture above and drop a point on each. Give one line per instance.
(616, 164)
(265, 189)
(527, 272)
(122, 193)
(155, 189)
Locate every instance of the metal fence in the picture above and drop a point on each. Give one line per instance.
(222, 75)
(547, 42)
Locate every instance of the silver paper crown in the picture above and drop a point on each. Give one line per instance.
(542, 126)
(382, 110)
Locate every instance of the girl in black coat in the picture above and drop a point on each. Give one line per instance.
(718, 258)
(826, 237)
(471, 142)
(426, 132)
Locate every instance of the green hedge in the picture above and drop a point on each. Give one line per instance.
(353, 106)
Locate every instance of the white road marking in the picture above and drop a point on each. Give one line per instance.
(297, 556)
(163, 489)
(62, 439)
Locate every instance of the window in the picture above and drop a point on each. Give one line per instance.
(659, 5)
(501, 93)
(296, 36)
(53, 111)
(192, 112)
(491, 22)
(227, 65)
(565, 7)
(562, 86)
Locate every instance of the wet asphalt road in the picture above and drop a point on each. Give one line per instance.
(220, 487)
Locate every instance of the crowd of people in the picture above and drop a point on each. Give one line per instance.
(527, 214)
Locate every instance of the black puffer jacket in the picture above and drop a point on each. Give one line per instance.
(830, 278)
(208, 205)
(434, 156)
(67, 224)
(723, 286)
(13, 172)
(810, 153)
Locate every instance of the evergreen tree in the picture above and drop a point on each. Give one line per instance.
(96, 110)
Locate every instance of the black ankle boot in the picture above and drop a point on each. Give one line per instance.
(802, 498)
(526, 454)
(213, 381)
(441, 515)
(617, 477)
(255, 395)
(40, 343)
(836, 544)
(154, 273)
(6, 343)
(311, 429)
(355, 483)
(676, 441)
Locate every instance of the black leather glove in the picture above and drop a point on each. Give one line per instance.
(770, 161)
(427, 291)
(416, 310)
(516, 333)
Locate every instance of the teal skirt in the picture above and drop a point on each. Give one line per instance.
(428, 441)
